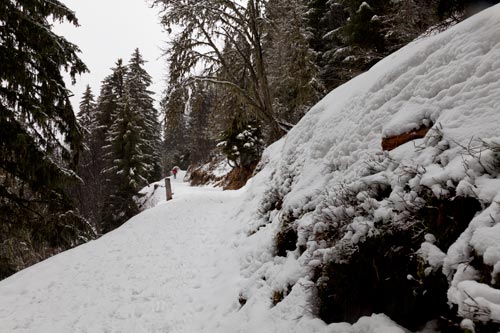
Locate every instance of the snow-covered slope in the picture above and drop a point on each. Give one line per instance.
(169, 269)
(173, 268)
(206, 261)
(330, 185)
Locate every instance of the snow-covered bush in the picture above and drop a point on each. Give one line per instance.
(242, 143)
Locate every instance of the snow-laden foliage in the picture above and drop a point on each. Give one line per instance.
(242, 144)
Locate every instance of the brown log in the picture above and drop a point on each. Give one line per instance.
(395, 141)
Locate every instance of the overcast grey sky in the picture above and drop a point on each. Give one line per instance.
(112, 29)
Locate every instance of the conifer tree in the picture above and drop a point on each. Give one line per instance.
(108, 102)
(110, 125)
(40, 139)
(128, 122)
(86, 114)
(460, 9)
(90, 164)
(140, 98)
(125, 175)
(201, 141)
(350, 36)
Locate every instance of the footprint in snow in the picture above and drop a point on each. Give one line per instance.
(159, 306)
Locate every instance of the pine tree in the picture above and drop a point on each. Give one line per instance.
(39, 135)
(140, 99)
(128, 122)
(111, 94)
(86, 113)
(242, 143)
(350, 36)
(460, 9)
(90, 164)
(109, 100)
(323, 18)
(125, 176)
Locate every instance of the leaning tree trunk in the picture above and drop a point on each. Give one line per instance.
(263, 84)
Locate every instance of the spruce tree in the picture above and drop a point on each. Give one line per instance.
(112, 87)
(350, 36)
(107, 103)
(86, 113)
(40, 139)
(140, 99)
(126, 174)
(460, 9)
(89, 167)
(128, 122)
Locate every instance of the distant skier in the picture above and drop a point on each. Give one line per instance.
(174, 172)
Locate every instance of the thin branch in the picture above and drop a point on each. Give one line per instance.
(249, 99)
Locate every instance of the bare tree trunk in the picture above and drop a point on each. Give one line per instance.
(262, 81)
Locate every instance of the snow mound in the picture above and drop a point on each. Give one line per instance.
(329, 175)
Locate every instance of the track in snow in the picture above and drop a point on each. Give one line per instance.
(169, 269)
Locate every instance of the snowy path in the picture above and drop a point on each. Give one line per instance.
(169, 269)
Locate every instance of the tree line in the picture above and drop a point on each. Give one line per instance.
(66, 179)
(122, 142)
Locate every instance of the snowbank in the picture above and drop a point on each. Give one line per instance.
(329, 175)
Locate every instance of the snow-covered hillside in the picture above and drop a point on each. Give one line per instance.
(333, 198)
(267, 258)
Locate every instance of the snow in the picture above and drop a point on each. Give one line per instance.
(478, 300)
(173, 268)
(222, 168)
(431, 253)
(156, 273)
(450, 81)
(205, 261)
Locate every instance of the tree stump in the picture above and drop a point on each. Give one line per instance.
(168, 188)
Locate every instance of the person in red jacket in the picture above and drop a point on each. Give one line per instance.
(174, 172)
